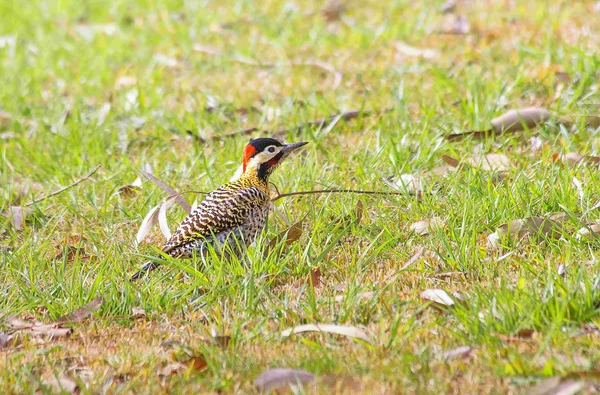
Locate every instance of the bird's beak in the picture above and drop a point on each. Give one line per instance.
(292, 147)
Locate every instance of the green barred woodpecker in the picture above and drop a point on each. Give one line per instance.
(230, 217)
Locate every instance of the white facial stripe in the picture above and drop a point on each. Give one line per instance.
(264, 156)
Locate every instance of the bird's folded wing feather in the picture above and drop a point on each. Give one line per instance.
(224, 208)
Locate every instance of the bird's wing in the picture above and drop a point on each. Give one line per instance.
(222, 209)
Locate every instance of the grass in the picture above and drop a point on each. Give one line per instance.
(61, 62)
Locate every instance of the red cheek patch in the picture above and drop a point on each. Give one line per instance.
(249, 152)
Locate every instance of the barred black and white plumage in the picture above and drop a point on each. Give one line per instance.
(230, 217)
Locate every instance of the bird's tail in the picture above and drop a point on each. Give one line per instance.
(146, 268)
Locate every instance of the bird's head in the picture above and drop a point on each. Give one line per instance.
(263, 155)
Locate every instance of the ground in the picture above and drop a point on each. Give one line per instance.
(132, 86)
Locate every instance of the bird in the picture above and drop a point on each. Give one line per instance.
(230, 217)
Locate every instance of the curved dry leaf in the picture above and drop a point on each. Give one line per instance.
(195, 363)
(522, 228)
(5, 339)
(588, 232)
(162, 216)
(128, 190)
(409, 183)
(424, 227)
(272, 379)
(438, 297)
(459, 352)
(82, 313)
(138, 312)
(289, 236)
(349, 331)
(315, 277)
(51, 331)
(410, 51)
(15, 214)
(557, 386)
(450, 160)
(521, 119)
(490, 162)
(149, 221)
(574, 159)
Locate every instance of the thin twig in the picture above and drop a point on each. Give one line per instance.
(63, 189)
(282, 195)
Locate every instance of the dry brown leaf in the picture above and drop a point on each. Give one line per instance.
(413, 259)
(15, 215)
(272, 379)
(289, 236)
(509, 122)
(138, 313)
(195, 363)
(522, 228)
(5, 340)
(557, 386)
(438, 297)
(409, 183)
(521, 119)
(574, 159)
(51, 331)
(82, 313)
(5, 118)
(461, 352)
(130, 190)
(333, 11)
(523, 334)
(424, 227)
(490, 162)
(588, 232)
(62, 384)
(349, 331)
(315, 277)
(450, 160)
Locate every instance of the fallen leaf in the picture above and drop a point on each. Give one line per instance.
(438, 297)
(349, 331)
(288, 236)
(410, 51)
(409, 183)
(523, 334)
(333, 10)
(147, 223)
(522, 228)
(490, 162)
(315, 277)
(138, 312)
(5, 339)
(15, 215)
(82, 313)
(574, 159)
(51, 331)
(588, 232)
(272, 379)
(424, 227)
(509, 122)
(461, 352)
(130, 190)
(5, 118)
(62, 384)
(557, 386)
(413, 259)
(196, 364)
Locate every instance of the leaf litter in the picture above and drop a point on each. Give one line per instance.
(348, 331)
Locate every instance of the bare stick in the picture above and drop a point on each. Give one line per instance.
(282, 195)
(63, 189)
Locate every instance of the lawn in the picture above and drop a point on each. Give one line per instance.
(433, 285)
